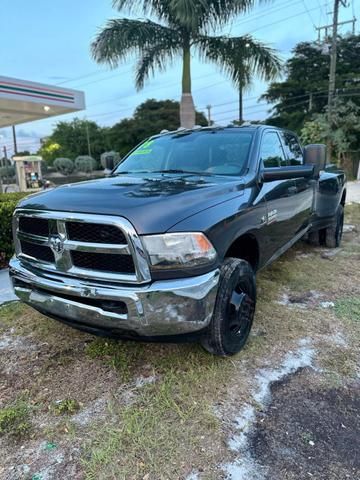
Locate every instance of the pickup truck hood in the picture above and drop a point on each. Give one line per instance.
(152, 203)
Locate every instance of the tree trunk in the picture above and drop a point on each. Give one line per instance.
(187, 108)
(241, 116)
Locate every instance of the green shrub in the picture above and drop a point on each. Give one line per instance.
(66, 406)
(7, 171)
(8, 202)
(64, 165)
(12, 197)
(86, 164)
(14, 420)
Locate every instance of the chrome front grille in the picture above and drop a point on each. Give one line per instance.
(95, 233)
(98, 247)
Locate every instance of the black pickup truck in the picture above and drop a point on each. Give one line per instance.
(168, 246)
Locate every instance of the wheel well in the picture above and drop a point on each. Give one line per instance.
(247, 248)
(343, 198)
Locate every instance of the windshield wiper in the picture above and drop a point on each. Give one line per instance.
(170, 170)
(129, 172)
(179, 170)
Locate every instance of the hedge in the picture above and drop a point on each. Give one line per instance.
(8, 202)
(64, 165)
(84, 163)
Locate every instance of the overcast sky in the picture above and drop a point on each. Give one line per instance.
(49, 42)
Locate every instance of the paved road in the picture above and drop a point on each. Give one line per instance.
(353, 192)
(6, 293)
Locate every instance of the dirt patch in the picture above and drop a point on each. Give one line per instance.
(309, 432)
(42, 460)
(154, 412)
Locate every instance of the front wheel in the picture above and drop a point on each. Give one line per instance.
(334, 233)
(234, 309)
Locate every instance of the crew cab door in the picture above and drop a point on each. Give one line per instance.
(305, 187)
(280, 195)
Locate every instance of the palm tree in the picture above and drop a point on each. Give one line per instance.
(183, 26)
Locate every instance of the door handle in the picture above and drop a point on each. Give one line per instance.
(292, 190)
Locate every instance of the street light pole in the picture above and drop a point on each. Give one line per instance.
(208, 108)
(14, 139)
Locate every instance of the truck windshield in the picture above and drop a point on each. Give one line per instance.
(217, 152)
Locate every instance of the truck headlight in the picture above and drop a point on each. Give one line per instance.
(179, 250)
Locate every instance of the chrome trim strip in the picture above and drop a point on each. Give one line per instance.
(57, 304)
(96, 247)
(63, 262)
(167, 307)
(79, 272)
(75, 245)
(28, 258)
(37, 239)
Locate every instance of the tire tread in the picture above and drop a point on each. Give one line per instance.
(212, 339)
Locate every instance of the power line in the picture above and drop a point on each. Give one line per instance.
(261, 110)
(202, 88)
(106, 114)
(316, 94)
(322, 14)
(271, 10)
(224, 81)
(117, 74)
(309, 14)
(284, 19)
(160, 87)
(243, 22)
(246, 20)
(79, 78)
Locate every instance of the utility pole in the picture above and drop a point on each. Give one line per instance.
(329, 27)
(5, 155)
(332, 75)
(88, 140)
(14, 140)
(208, 108)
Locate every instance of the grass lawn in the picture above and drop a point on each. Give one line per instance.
(79, 407)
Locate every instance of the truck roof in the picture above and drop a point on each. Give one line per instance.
(198, 128)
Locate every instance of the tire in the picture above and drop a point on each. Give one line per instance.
(234, 309)
(314, 238)
(334, 233)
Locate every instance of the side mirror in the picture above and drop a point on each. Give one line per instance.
(315, 155)
(287, 173)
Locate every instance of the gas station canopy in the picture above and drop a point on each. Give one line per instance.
(22, 101)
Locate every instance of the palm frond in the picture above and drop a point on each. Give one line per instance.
(240, 58)
(159, 8)
(194, 15)
(154, 58)
(122, 38)
(202, 15)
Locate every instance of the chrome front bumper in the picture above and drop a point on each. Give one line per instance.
(168, 307)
